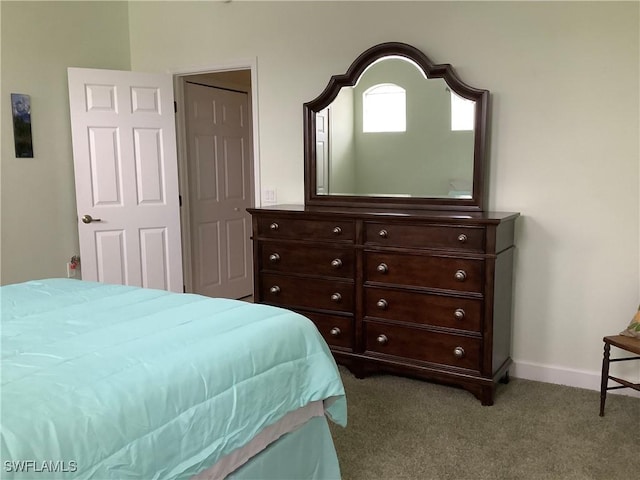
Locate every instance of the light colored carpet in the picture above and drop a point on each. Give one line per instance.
(400, 428)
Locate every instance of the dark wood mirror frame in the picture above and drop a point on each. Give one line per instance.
(349, 79)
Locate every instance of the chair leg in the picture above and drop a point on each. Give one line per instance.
(605, 377)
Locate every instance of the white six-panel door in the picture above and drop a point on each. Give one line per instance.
(126, 176)
(218, 129)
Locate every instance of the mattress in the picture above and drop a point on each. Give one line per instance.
(109, 381)
(265, 442)
(305, 453)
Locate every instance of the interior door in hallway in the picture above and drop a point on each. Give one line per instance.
(218, 130)
(126, 177)
(322, 152)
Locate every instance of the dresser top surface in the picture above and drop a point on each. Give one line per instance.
(373, 213)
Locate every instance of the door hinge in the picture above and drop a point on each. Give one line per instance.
(175, 107)
(184, 289)
(180, 200)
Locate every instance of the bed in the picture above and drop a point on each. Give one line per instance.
(115, 382)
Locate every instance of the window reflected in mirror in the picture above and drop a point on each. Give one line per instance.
(463, 113)
(384, 108)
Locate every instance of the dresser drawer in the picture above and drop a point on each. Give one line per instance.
(300, 292)
(423, 308)
(430, 271)
(302, 259)
(291, 228)
(337, 331)
(448, 237)
(422, 345)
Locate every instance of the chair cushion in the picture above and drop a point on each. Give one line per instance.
(633, 330)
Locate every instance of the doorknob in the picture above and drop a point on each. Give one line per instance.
(89, 219)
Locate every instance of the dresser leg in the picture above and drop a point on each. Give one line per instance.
(505, 378)
(358, 370)
(484, 393)
(488, 394)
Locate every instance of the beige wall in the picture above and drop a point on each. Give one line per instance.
(565, 145)
(39, 41)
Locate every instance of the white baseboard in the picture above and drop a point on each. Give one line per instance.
(564, 376)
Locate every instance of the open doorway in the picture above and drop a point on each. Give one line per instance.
(216, 157)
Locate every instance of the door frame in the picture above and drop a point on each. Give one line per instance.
(181, 140)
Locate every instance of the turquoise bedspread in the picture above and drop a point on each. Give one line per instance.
(108, 381)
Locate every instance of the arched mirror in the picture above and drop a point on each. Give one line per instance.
(396, 131)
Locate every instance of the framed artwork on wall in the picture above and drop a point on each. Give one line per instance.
(21, 109)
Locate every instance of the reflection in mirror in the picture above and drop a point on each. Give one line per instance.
(396, 133)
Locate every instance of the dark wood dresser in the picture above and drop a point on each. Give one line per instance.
(412, 292)
(393, 255)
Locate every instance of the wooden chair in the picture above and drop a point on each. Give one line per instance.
(628, 344)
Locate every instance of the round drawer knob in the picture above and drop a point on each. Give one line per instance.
(458, 352)
(459, 314)
(336, 263)
(335, 332)
(274, 258)
(382, 268)
(275, 289)
(337, 230)
(383, 233)
(382, 339)
(460, 275)
(462, 238)
(274, 227)
(382, 304)
(336, 297)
